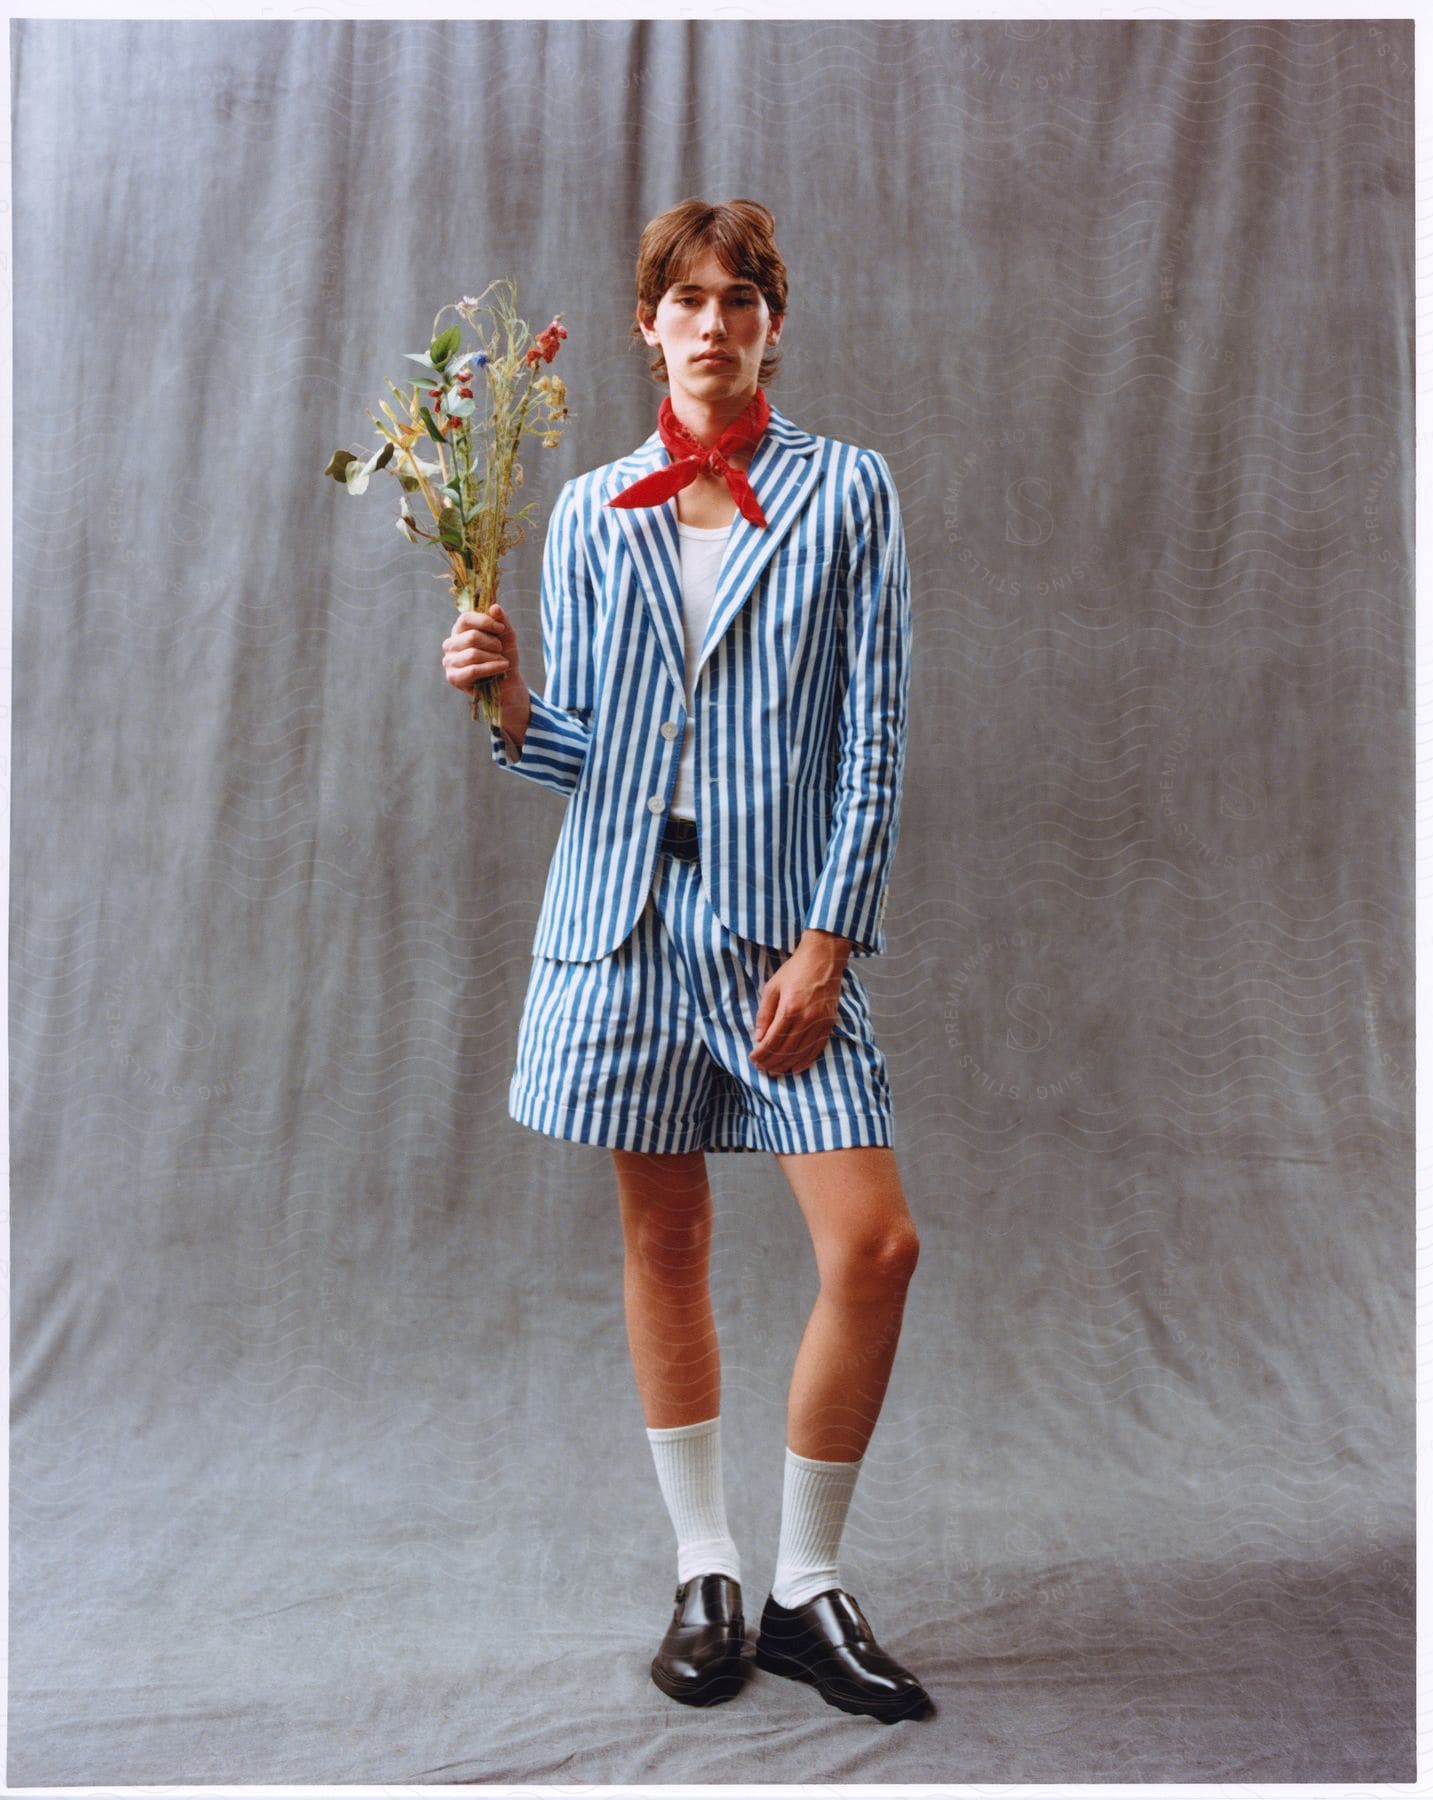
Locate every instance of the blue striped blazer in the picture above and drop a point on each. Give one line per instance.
(799, 700)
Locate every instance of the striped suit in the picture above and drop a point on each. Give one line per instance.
(799, 708)
(649, 964)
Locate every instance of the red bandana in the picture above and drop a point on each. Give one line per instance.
(690, 457)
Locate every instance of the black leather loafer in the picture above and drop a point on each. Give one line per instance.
(701, 1661)
(828, 1642)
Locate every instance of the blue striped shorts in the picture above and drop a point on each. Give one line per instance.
(646, 1048)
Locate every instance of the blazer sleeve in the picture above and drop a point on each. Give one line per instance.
(850, 893)
(559, 732)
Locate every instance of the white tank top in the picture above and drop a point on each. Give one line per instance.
(703, 547)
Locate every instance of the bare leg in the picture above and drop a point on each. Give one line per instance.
(666, 1207)
(866, 1249)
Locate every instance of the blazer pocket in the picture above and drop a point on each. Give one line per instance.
(790, 560)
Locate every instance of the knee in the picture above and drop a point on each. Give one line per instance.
(667, 1237)
(666, 1209)
(876, 1265)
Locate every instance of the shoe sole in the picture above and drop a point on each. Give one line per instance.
(720, 1682)
(775, 1662)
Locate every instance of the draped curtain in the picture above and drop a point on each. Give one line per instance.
(326, 1460)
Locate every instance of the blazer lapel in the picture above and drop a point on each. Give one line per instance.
(782, 471)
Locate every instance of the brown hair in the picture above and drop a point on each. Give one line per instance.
(741, 232)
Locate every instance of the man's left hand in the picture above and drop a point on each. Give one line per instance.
(798, 1005)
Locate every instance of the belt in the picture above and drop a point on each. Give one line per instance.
(679, 838)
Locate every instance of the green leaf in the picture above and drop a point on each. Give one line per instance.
(443, 346)
(433, 431)
(419, 356)
(461, 409)
(450, 529)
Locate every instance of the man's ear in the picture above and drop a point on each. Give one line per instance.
(648, 332)
(773, 332)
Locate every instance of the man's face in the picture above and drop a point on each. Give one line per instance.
(711, 310)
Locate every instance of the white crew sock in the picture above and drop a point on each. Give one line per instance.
(688, 1459)
(815, 1498)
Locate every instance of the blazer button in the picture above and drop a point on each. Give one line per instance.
(655, 803)
(669, 729)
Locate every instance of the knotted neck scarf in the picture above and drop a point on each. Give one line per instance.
(690, 457)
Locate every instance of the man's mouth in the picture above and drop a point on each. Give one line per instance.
(714, 356)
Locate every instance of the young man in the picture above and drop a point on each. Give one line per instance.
(726, 625)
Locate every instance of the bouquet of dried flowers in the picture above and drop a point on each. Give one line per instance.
(469, 498)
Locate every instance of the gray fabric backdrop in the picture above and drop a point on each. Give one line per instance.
(327, 1461)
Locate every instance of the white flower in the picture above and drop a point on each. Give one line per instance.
(357, 473)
